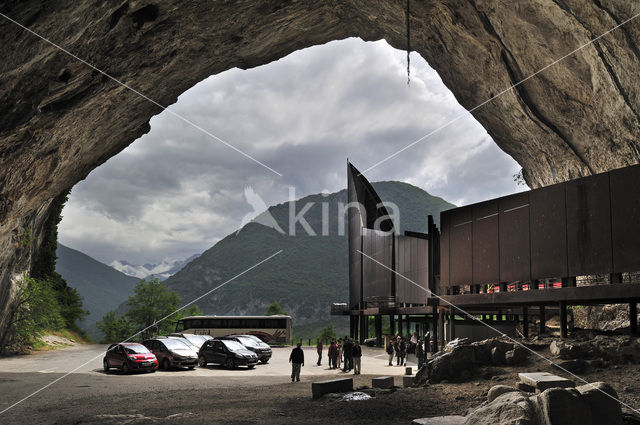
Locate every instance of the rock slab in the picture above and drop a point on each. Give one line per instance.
(382, 382)
(544, 380)
(318, 389)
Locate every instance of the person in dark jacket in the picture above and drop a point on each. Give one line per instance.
(420, 354)
(347, 349)
(333, 355)
(357, 355)
(319, 350)
(401, 351)
(297, 361)
(390, 350)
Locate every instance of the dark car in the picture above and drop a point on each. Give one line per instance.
(128, 356)
(226, 352)
(262, 350)
(193, 339)
(171, 352)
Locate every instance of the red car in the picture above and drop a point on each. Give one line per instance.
(129, 356)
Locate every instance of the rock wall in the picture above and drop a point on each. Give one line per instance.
(60, 118)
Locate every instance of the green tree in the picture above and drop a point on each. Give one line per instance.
(152, 310)
(36, 311)
(114, 328)
(327, 334)
(151, 302)
(44, 266)
(275, 309)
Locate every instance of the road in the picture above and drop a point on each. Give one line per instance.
(80, 391)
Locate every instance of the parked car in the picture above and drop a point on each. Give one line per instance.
(128, 356)
(171, 352)
(226, 352)
(262, 350)
(193, 339)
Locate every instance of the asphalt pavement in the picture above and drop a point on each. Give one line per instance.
(69, 377)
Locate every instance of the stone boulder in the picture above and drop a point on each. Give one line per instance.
(516, 356)
(604, 408)
(460, 357)
(512, 408)
(563, 407)
(585, 405)
(497, 390)
(613, 348)
(567, 350)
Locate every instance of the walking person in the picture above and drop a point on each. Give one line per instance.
(357, 356)
(390, 350)
(319, 350)
(297, 361)
(339, 352)
(420, 354)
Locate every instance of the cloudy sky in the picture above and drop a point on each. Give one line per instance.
(176, 191)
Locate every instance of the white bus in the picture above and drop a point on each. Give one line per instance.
(270, 329)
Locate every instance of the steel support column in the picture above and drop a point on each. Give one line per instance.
(435, 333)
(563, 319)
(364, 328)
(353, 326)
(452, 324)
(525, 321)
(378, 320)
(441, 328)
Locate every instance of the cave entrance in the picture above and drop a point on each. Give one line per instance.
(176, 191)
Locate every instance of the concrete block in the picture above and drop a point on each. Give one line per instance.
(382, 382)
(544, 380)
(407, 380)
(318, 389)
(408, 371)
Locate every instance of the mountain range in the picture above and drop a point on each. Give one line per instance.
(309, 273)
(101, 287)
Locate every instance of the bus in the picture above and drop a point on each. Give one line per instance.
(270, 329)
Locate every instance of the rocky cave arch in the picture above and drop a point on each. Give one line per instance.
(60, 118)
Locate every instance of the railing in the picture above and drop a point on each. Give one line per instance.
(338, 309)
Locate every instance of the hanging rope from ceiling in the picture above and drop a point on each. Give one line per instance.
(408, 45)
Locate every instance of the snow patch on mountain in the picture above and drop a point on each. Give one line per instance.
(161, 271)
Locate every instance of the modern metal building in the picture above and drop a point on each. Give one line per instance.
(502, 261)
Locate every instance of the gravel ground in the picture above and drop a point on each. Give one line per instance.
(243, 398)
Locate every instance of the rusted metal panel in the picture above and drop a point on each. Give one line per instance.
(377, 274)
(486, 252)
(445, 280)
(460, 249)
(412, 263)
(625, 218)
(514, 237)
(589, 226)
(548, 217)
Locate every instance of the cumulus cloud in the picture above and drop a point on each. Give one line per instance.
(175, 191)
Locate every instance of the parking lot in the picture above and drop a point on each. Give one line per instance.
(88, 394)
(374, 361)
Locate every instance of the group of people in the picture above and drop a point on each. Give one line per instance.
(346, 354)
(342, 352)
(399, 347)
